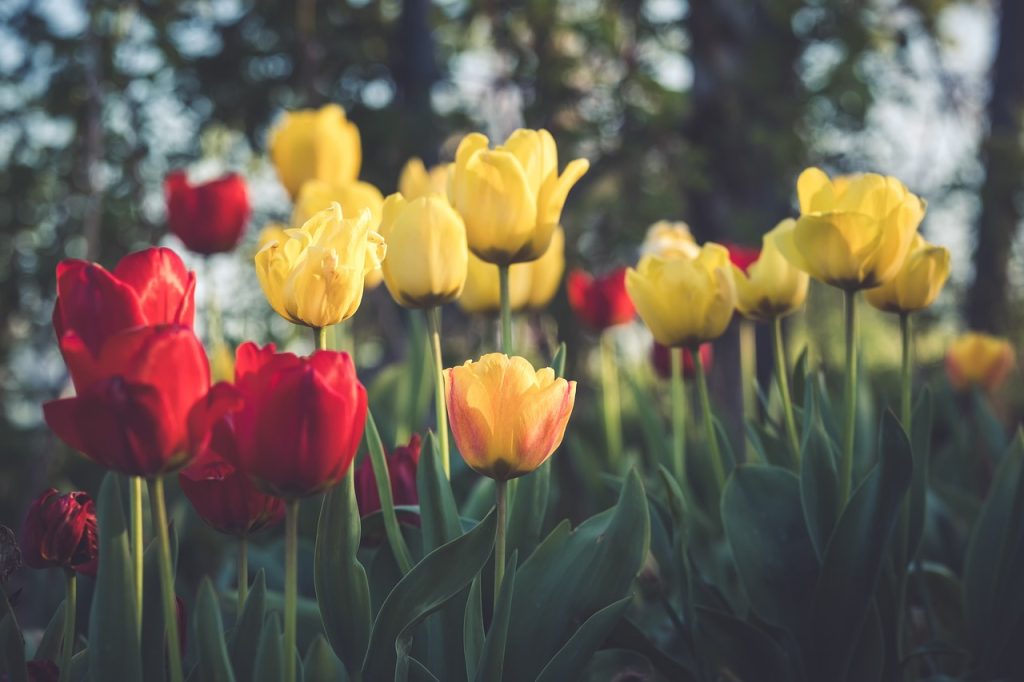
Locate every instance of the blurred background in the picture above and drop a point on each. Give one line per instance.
(700, 110)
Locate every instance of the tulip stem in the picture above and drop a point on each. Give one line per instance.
(167, 579)
(434, 327)
(906, 412)
(905, 416)
(846, 464)
(748, 368)
(610, 398)
(67, 647)
(709, 420)
(243, 573)
(138, 549)
(782, 377)
(506, 311)
(501, 495)
(291, 585)
(678, 417)
(321, 338)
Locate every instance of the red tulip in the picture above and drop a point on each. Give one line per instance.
(292, 424)
(600, 302)
(742, 256)
(225, 498)
(661, 358)
(208, 218)
(402, 464)
(134, 398)
(41, 671)
(60, 531)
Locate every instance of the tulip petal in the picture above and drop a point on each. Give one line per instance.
(164, 286)
(94, 303)
(815, 191)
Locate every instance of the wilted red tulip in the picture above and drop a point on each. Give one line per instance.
(209, 218)
(742, 256)
(661, 358)
(134, 398)
(601, 302)
(225, 498)
(402, 463)
(60, 532)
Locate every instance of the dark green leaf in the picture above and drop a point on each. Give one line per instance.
(921, 445)
(439, 516)
(748, 652)
(321, 665)
(50, 645)
(154, 639)
(492, 659)
(869, 658)
(269, 664)
(573, 657)
(12, 643)
(558, 360)
(527, 509)
(379, 461)
(246, 635)
(214, 665)
(819, 485)
(473, 629)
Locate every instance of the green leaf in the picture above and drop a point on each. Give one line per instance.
(154, 637)
(573, 657)
(869, 658)
(379, 461)
(492, 658)
(248, 626)
(764, 523)
(558, 360)
(214, 665)
(342, 590)
(439, 577)
(854, 556)
(921, 442)
(748, 652)
(269, 664)
(321, 665)
(113, 628)
(50, 645)
(12, 643)
(473, 629)
(527, 509)
(652, 425)
(819, 484)
(439, 516)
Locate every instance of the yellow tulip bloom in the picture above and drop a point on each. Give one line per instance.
(353, 197)
(918, 282)
(546, 272)
(271, 232)
(416, 181)
(771, 287)
(510, 197)
(427, 252)
(976, 359)
(684, 302)
(315, 275)
(482, 295)
(507, 418)
(667, 239)
(854, 232)
(319, 144)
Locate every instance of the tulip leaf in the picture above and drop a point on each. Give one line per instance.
(50, 645)
(584, 642)
(819, 487)
(248, 626)
(12, 643)
(853, 558)
(113, 627)
(321, 665)
(473, 629)
(653, 427)
(439, 516)
(527, 509)
(154, 637)
(440, 576)
(869, 658)
(492, 658)
(214, 664)
(342, 590)
(572, 575)
(378, 459)
(764, 523)
(558, 360)
(745, 650)
(269, 663)
(921, 445)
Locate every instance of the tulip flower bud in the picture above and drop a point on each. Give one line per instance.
(60, 532)
(741, 256)
(402, 464)
(600, 302)
(427, 252)
(224, 497)
(917, 284)
(977, 359)
(318, 195)
(416, 181)
(507, 418)
(208, 218)
(666, 239)
(770, 286)
(661, 358)
(319, 144)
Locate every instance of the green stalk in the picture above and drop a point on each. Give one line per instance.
(748, 368)
(167, 579)
(506, 310)
(500, 491)
(243, 572)
(610, 399)
(678, 417)
(320, 337)
(434, 329)
(138, 547)
(782, 377)
(291, 585)
(850, 425)
(906, 412)
(709, 420)
(67, 646)
(904, 548)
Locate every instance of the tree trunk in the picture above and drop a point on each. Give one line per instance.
(415, 75)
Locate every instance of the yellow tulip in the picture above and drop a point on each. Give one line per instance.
(416, 181)
(771, 287)
(271, 232)
(315, 275)
(507, 418)
(976, 359)
(510, 197)
(316, 195)
(854, 232)
(668, 239)
(427, 252)
(918, 282)
(481, 295)
(319, 144)
(546, 272)
(684, 302)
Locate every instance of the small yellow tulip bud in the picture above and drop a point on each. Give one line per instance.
(918, 282)
(507, 418)
(317, 144)
(684, 302)
(771, 287)
(853, 232)
(427, 252)
(510, 197)
(667, 239)
(977, 359)
(315, 275)
(416, 181)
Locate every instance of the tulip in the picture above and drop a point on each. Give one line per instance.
(510, 197)
(684, 302)
(41, 671)
(318, 195)
(315, 276)
(667, 239)
(546, 272)
(741, 256)
(918, 282)
(224, 497)
(402, 464)
(416, 181)
(319, 144)
(271, 232)
(600, 302)
(427, 253)
(60, 532)
(480, 295)
(977, 359)
(770, 287)
(208, 218)
(661, 359)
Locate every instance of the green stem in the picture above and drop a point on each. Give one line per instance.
(610, 399)
(906, 411)
(167, 579)
(748, 368)
(904, 528)
(782, 377)
(243, 573)
(138, 547)
(320, 337)
(709, 420)
(291, 585)
(501, 493)
(678, 417)
(434, 329)
(67, 646)
(850, 425)
(506, 310)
